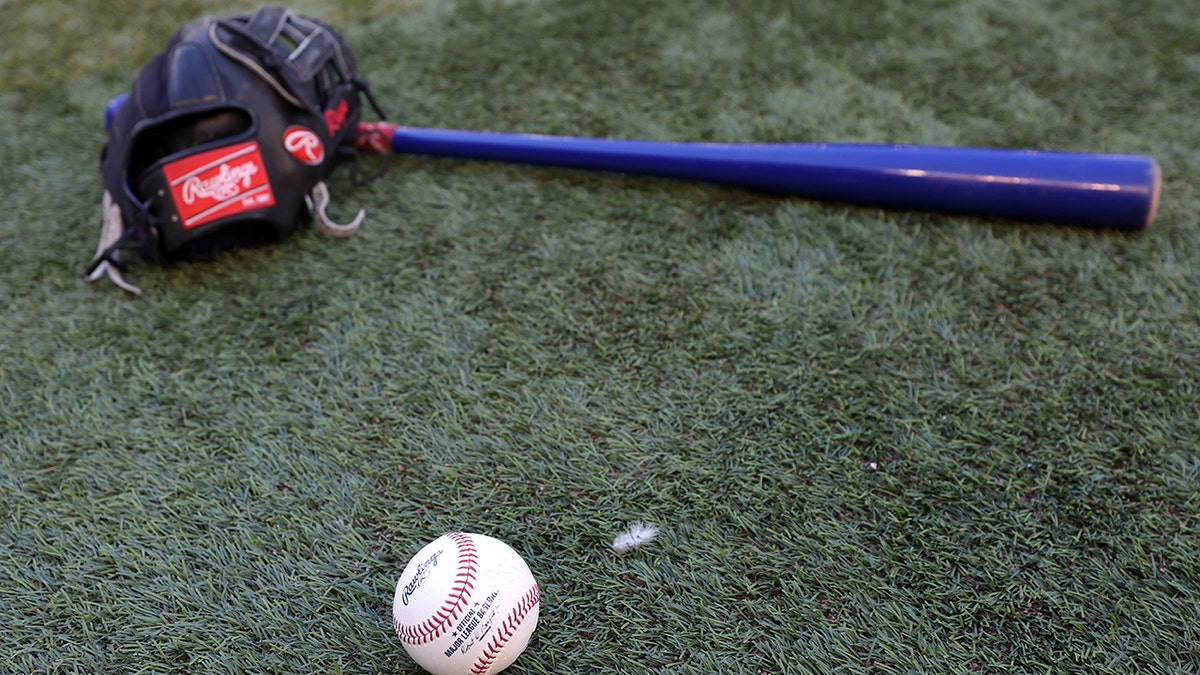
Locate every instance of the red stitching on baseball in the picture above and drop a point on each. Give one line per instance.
(505, 631)
(456, 601)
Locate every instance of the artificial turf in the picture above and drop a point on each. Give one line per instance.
(875, 442)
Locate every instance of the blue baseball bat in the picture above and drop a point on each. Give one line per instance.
(1091, 190)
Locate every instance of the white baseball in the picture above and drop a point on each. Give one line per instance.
(466, 604)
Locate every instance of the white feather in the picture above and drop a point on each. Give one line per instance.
(635, 536)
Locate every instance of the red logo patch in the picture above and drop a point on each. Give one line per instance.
(335, 117)
(304, 145)
(219, 183)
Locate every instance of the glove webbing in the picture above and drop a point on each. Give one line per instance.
(258, 44)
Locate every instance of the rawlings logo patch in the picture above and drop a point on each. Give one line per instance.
(219, 183)
(304, 145)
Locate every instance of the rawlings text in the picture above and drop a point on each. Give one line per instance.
(419, 576)
(219, 183)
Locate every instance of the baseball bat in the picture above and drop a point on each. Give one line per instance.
(1091, 190)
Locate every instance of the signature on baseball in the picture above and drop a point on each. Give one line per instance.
(475, 625)
(420, 575)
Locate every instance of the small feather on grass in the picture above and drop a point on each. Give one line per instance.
(635, 536)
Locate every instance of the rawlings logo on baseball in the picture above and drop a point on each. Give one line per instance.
(304, 145)
(219, 183)
(466, 604)
(419, 576)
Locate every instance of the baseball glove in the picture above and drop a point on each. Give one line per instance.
(227, 138)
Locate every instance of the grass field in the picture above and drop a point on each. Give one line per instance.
(875, 442)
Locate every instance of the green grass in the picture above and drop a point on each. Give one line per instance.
(876, 442)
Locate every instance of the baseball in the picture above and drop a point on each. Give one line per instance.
(466, 604)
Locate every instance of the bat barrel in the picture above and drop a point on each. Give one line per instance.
(1109, 191)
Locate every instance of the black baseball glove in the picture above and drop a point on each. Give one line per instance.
(227, 138)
